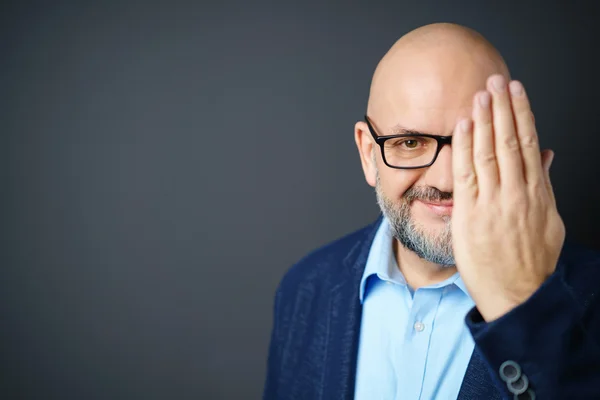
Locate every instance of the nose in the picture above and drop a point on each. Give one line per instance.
(439, 174)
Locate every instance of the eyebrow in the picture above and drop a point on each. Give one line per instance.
(400, 130)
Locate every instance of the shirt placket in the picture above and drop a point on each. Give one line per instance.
(418, 330)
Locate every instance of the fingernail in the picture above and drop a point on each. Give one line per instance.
(516, 89)
(498, 83)
(484, 99)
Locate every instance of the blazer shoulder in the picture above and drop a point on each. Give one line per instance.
(331, 258)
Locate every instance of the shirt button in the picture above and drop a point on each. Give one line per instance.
(419, 326)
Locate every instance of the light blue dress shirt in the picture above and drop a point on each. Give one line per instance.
(413, 344)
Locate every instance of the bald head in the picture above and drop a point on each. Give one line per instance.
(442, 34)
(436, 67)
(424, 84)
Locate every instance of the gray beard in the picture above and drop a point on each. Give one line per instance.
(435, 248)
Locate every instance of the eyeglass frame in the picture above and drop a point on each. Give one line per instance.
(380, 140)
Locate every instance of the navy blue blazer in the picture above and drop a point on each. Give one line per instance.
(554, 337)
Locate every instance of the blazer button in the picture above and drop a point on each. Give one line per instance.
(519, 386)
(528, 395)
(510, 371)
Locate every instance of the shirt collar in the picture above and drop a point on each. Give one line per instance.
(382, 263)
(381, 260)
(461, 285)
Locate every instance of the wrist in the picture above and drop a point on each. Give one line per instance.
(494, 305)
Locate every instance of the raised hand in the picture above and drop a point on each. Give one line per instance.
(507, 233)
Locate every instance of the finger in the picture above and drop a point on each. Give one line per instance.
(526, 132)
(486, 165)
(463, 170)
(508, 152)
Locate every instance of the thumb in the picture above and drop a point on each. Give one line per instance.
(547, 158)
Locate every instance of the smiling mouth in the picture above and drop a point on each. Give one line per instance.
(442, 209)
(440, 204)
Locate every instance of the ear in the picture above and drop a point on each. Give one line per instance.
(366, 145)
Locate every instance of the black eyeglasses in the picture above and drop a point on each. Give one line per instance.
(409, 150)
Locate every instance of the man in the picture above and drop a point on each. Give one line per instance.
(465, 287)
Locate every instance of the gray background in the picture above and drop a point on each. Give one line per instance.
(163, 164)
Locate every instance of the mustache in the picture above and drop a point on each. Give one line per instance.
(426, 193)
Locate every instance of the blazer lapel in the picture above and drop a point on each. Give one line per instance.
(478, 383)
(343, 329)
(345, 313)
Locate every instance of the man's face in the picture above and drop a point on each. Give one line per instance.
(428, 241)
(417, 202)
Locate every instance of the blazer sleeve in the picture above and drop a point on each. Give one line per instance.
(272, 379)
(549, 346)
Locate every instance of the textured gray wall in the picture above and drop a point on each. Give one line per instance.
(163, 164)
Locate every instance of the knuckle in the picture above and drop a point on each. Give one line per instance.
(529, 140)
(537, 187)
(466, 178)
(510, 142)
(485, 157)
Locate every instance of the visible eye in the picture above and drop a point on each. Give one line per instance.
(410, 143)
(407, 143)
